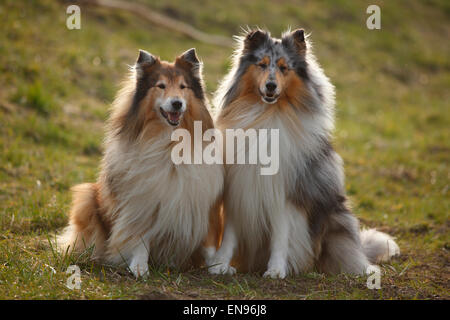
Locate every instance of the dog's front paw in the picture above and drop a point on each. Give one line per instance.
(275, 273)
(222, 268)
(139, 268)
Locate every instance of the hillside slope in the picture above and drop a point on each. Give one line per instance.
(392, 131)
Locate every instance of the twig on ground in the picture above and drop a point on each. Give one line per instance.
(163, 21)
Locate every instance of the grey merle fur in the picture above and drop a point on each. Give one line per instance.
(318, 185)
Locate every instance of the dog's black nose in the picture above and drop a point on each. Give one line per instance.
(177, 104)
(271, 86)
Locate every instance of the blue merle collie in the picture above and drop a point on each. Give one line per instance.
(297, 219)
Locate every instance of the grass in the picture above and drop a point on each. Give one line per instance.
(392, 131)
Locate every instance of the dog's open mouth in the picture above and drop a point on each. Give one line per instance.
(269, 98)
(173, 118)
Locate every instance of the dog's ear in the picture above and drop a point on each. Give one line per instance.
(145, 61)
(189, 61)
(296, 39)
(190, 56)
(255, 39)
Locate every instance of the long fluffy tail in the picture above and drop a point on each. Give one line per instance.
(378, 246)
(85, 228)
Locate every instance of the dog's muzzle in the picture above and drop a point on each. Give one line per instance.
(173, 111)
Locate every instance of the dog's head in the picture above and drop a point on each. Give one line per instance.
(161, 96)
(168, 89)
(273, 66)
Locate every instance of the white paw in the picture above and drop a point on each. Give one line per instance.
(393, 249)
(222, 268)
(275, 273)
(139, 268)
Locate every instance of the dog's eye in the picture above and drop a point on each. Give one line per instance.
(161, 86)
(283, 68)
(182, 86)
(263, 65)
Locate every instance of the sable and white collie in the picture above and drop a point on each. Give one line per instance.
(297, 219)
(143, 206)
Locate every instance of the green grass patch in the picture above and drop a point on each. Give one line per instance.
(391, 130)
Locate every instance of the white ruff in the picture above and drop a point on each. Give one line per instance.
(255, 203)
(164, 206)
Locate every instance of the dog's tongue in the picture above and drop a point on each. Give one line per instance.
(174, 116)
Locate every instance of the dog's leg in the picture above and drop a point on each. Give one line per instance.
(139, 260)
(279, 246)
(220, 264)
(212, 241)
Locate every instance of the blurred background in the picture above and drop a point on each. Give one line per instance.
(392, 127)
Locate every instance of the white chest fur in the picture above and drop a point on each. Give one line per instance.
(255, 202)
(164, 205)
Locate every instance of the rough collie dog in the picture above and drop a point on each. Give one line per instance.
(143, 206)
(296, 219)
